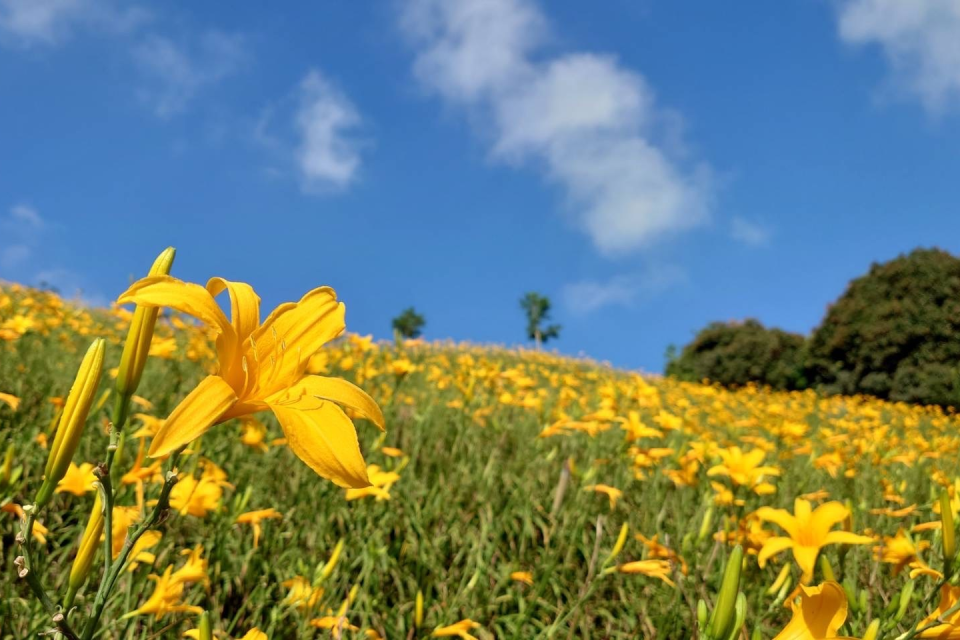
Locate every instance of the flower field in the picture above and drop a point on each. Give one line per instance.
(511, 493)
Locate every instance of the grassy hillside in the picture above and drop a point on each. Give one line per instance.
(515, 473)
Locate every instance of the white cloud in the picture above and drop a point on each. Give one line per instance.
(26, 215)
(19, 234)
(328, 155)
(920, 39)
(179, 72)
(587, 296)
(26, 23)
(750, 233)
(591, 125)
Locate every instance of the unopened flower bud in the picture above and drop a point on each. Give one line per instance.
(204, 626)
(781, 579)
(332, 562)
(72, 421)
(906, 594)
(850, 589)
(618, 545)
(702, 616)
(89, 543)
(137, 346)
(7, 470)
(418, 610)
(826, 569)
(949, 533)
(724, 612)
(706, 524)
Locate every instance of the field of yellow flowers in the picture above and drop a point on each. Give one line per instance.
(512, 494)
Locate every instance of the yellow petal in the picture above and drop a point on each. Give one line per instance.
(325, 439)
(291, 334)
(846, 537)
(772, 547)
(196, 413)
(342, 392)
(780, 517)
(825, 516)
(185, 297)
(806, 558)
(819, 614)
(11, 401)
(244, 313)
(824, 608)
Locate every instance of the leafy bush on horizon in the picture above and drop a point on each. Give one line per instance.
(738, 353)
(893, 334)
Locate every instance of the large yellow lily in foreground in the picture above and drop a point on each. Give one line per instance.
(262, 367)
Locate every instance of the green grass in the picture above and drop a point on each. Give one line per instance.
(474, 503)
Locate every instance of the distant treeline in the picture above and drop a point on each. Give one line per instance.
(894, 334)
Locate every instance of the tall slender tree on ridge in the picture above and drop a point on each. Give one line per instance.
(537, 308)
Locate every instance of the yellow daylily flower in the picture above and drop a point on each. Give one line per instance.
(167, 598)
(522, 576)
(10, 400)
(949, 629)
(460, 629)
(39, 531)
(380, 483)
(139, 553)
(262, 366)
(254, 518)
(123, 518)
(77, 480)
(194, 569)
(301, 594)
(198, 497)
(809, 530)
(613, 494)
(651, 568)
(818, 615)
(336, 624)
(745, 469)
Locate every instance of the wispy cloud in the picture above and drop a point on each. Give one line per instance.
(24, 214)
(20, 233)
(314, 134)
(920, 39)
(749, 232)
(328, 154)
(591, 125)
(587, 296)
(176, 71)
(28, 23)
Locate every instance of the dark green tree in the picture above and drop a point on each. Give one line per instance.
(894, 333)
(537, 308)
(736, 353)
(409, 324)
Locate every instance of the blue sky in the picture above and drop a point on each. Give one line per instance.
(650, 165)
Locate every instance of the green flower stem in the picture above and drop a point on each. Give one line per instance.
(110, 577)
(34, 582)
